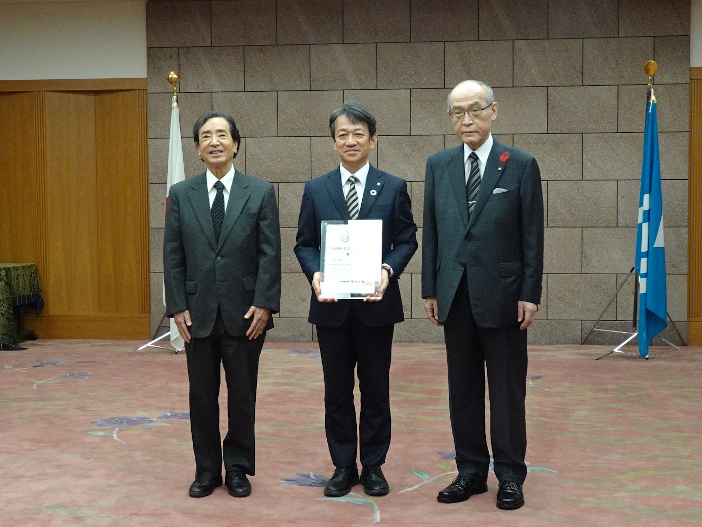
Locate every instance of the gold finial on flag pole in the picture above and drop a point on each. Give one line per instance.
(174, 79)
(650, 69)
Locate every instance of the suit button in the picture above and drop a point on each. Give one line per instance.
(219, 258)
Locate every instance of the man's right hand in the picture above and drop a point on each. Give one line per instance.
(431, 308)
(183, 322)
(316, 285)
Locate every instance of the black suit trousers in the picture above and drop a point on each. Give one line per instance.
(239, 356)
(356, 346)
(469, 349)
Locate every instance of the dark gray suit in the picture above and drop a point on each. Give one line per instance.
(479, 270)
(218, 283)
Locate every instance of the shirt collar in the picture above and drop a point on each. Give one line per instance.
(227, 180)
(361, 174)
(483, 151)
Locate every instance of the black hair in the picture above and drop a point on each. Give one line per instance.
(356, 113)
(236, 136)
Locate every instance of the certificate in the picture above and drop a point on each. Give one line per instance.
(351, 258)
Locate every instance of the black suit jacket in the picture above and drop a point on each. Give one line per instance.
(504, 254)
(385, 198)
(242, 270)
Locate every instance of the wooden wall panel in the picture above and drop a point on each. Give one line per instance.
(122, 200)
(694, 246)
(75, 179)
(71, 281)
(19, 178)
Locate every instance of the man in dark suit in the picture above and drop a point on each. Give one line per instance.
(221, 268)
(482, 265)
(356, 334)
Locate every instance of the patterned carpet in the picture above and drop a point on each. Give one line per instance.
(93, 436)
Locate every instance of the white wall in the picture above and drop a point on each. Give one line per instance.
(72, 40)
(696, 33)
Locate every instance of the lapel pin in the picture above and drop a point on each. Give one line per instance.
(374, 192)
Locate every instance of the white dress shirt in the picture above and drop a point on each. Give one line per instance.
(361, 174)
(226, 181)
(483, 152)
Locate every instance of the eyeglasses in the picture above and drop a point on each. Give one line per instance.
(473, 113)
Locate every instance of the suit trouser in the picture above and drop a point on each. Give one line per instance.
(356, 346)
(469, 348)
(239, 356)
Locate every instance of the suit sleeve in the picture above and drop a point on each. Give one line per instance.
(429, 236)
(268, 280)
(532, 221)
(307, 249)
(404, 233)
(174, 262)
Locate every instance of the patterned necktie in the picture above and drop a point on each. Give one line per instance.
(473, 184)
(217, 210)
(352, 198)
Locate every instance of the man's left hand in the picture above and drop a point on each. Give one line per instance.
(380, 290)
(260, 320)
(526, 313)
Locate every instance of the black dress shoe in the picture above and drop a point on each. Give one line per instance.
(200, 489)
(238, 484)
(341, 482)
(374, 482)
(510, 495)
(461, 489)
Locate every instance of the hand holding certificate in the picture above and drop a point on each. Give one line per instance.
(351, 255)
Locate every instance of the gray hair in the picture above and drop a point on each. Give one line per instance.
(490, 96)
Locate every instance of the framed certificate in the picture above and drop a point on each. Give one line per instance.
(351, 255)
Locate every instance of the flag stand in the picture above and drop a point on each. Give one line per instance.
(152, 343)
(631, 335)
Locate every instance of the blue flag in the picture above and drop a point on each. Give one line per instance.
(650, 249)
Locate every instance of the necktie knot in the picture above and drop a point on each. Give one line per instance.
(219, 186)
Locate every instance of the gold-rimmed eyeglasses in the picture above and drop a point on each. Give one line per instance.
(459, 114)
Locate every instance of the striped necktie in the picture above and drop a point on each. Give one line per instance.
(352, 198)
(217, 209)
(473, 184)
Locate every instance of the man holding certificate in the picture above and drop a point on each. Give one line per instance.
(355, 236)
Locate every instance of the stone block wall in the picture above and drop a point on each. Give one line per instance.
(568, 77)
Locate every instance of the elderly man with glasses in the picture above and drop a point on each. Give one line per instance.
(482, 266)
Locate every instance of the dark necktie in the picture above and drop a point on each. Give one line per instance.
(217, 210)
(473, 184)
(352, 198)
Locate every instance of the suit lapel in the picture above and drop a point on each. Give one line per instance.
(336, 193)
(493, 171)
(238, 197)
(373, 188)
(457, 175)
(200, 202)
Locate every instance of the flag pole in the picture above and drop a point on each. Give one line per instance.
(175, 174)
(642, 275)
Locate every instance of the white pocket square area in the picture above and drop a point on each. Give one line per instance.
(499, 190)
